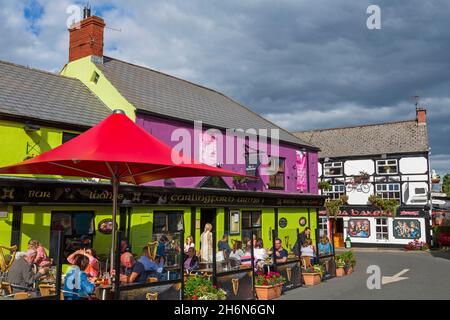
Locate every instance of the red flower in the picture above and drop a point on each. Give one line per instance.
(194, 298)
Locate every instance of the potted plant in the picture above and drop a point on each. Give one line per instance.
(324, 185)
(333, 206)
(201, 288)
(349, 260)
(268, 286)
(340, 266)
(312, 275)
(417, 245)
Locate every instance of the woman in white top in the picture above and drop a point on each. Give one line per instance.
(189, 244)
(206, 244)
(237, 251)
(308, 250)
(259, 252)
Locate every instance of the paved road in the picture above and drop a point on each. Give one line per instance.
(429, 278)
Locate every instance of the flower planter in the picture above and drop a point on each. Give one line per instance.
(268, 292)
(340, 272)
(311, 279)
(350, 270)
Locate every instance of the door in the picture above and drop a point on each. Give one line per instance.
(338, 227)
(207, 215)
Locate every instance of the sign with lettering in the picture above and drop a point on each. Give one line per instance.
(374, 212)
(129, 195)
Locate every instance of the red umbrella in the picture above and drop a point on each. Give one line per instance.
(118, 150)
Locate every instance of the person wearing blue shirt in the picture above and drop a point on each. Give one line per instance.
(151, 267)
(161, 249)
(76, 283)
(223, 245)
(325, 249)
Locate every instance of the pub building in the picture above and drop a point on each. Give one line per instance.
(41, 110)
(390, 160)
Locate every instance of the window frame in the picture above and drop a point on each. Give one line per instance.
(282, 173)
(334, 192)
(167, 213)
(377, 165)
(332, 165)
(382, 192)
(385, 225)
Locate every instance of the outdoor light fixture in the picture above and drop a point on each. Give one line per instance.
(29, 127)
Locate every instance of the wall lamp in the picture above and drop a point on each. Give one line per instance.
(29, 127)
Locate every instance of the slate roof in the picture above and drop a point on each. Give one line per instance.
(373, 139)
(162, 94)
(42, 95)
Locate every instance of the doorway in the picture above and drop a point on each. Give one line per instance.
(338, 229)
(207, 215)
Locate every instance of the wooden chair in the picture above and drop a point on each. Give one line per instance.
(21, 296)
(6, 288)
(306, 262)
(47, 289)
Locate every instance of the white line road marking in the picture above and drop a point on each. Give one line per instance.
(395, 277)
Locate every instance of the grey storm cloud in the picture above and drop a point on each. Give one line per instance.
(303, 64)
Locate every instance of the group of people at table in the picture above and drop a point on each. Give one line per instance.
(84, 274)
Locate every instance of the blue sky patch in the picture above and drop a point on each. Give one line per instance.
(33, 12)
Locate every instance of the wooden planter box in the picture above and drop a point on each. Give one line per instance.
(340, 272)
(268, 292)
(311, 279)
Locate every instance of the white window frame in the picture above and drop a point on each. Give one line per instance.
(334, 193)
(385, 161)
(382, 226)
(329, 165)
(323, 225)
(380, 192)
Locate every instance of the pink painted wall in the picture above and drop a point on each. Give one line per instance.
(163, 128)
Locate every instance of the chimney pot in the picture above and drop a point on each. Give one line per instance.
(421, 116)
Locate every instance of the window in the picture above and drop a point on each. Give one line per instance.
(388, 191)
(167, 222)
(332, 169)
(420, 191)
(95, 77)
(251, 226)
(381, 228)
(68, 136)
(335, 191)
(323, 226)
(387, 167)
(276, 181)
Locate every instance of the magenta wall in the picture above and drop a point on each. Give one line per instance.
(163, 128)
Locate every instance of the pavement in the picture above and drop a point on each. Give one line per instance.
(406, 275)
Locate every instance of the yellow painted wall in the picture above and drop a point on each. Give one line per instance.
(83, 69)
(6, 228)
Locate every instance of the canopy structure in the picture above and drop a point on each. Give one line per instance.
(119, 150)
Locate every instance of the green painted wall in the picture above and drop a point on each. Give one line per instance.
(16, 144)
(83, 70)
(6, 228)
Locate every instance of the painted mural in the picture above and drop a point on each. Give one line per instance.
(359, 228)
(406, 229)
(300, 162)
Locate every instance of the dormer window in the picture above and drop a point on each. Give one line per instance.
(95, 77)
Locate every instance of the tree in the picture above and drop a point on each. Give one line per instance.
(446, 184)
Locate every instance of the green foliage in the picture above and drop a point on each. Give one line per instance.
(446, 184)
(317, 268)
(345, 259)
(324, 185)
(201, 288)
(269, 279)
(333, 206)
(384, 205)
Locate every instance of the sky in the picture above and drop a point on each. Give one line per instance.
(303, 64)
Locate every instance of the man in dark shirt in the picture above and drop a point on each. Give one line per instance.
(21, 272)
(302, 237)
(281, 254)
(134, 270)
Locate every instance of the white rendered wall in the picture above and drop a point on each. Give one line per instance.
(353, 167)
(413, 165)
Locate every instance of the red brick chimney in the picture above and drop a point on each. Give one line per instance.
(86, 38)
(421, 116)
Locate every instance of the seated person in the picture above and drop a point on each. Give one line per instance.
(237, 252)
(325, 249)
(21, 273)
(76, 283)
(260, 254)
(161, 249)
(134, 271)
(223, 245)
(307, 250)
(124, 246)
(92, 270)
(281, 254)
(191, 261)
(151, 267)
(41, 259)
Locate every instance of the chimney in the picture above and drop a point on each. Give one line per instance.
(421, 116)
(86, 37)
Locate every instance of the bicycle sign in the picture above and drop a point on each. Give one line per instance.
(357, 183)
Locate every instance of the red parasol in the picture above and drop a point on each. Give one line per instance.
(118, 150)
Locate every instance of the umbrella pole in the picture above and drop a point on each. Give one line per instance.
(115, 186)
